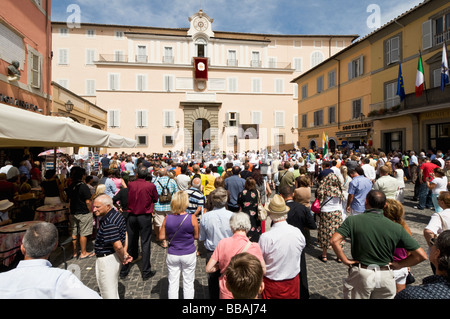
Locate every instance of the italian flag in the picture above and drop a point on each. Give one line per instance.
(419, 78)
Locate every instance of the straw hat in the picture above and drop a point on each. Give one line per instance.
(5, 205)
(277, 205)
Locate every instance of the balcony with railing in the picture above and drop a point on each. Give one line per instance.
(168, 59)
(430, 98)
(141, 58)
(232, 62)
(442, 37)
(113, 58)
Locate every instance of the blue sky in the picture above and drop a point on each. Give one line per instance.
(253, 16)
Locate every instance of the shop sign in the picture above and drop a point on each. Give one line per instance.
(19, 103)
(357, 126)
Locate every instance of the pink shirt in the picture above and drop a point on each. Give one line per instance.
(225, 250)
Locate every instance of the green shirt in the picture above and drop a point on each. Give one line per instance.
(375, 237)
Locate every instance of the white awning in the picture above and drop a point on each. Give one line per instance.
(22, 128)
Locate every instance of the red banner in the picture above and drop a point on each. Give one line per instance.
(201, 68)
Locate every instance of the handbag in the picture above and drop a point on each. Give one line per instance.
(262, 214)
(316, 207)
(410, 278)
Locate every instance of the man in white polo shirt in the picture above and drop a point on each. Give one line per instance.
(281, 247)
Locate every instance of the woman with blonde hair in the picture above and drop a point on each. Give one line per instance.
(395, 211)
(180, 229)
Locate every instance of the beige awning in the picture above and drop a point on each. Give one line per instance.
(22, 128)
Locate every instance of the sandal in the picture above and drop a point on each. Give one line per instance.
(322, 258)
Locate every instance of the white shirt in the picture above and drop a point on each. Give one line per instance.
(441, 184)
(399, 175)
(388, 185)
(281, 248)
(369, 171)
(435, 223)
(37, 279)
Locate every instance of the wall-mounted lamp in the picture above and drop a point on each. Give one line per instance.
(225, 124)
(69, 106)
(294, 129)
(362, 117)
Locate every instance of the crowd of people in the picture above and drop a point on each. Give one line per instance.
(252, 213)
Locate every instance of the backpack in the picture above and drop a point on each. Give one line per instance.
(165, 196)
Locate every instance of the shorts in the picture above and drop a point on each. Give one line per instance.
(158, 218)
(82, 224)
(400, 276)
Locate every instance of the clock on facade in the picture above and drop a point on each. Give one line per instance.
(201, 24)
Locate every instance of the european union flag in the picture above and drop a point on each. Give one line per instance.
(400, 85)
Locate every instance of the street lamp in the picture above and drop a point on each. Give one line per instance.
(69, 106)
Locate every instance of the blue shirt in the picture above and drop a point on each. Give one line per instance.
(37, 279)
(110, 187)
(359, 187)
(214, 226)
(173, 188)
(235, 185)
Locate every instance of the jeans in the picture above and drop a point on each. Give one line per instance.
(437, 208)
(424, 197)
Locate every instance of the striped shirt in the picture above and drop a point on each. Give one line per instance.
(196, 199)
(113, 227)
(173, 188)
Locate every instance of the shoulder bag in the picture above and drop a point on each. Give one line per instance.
(169, 241)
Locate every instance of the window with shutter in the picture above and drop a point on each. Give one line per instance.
(35, 71)
(90, 87)
(169, 118)
(141, 118)
(279, 86)
(316, 58)
(304, 120)
(114, 118)
(114, 81)
(295, 122)
(256, 85)
(90, 56)
(63, 56)
(356, 109)
(232, 85)
(298, 64)
(318, 118)
(427, 35)
(169, 83)
(390, 94)
(319, 84)
(332, 79)
(141, 82)
(332, 114)
(256, 117)
(305, 91)
(279, 118)
(356, 68)
(392, 50)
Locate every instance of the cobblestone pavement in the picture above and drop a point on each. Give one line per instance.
(325, 279)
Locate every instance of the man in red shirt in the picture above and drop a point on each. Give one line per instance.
(142, 196)
(424, 193)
